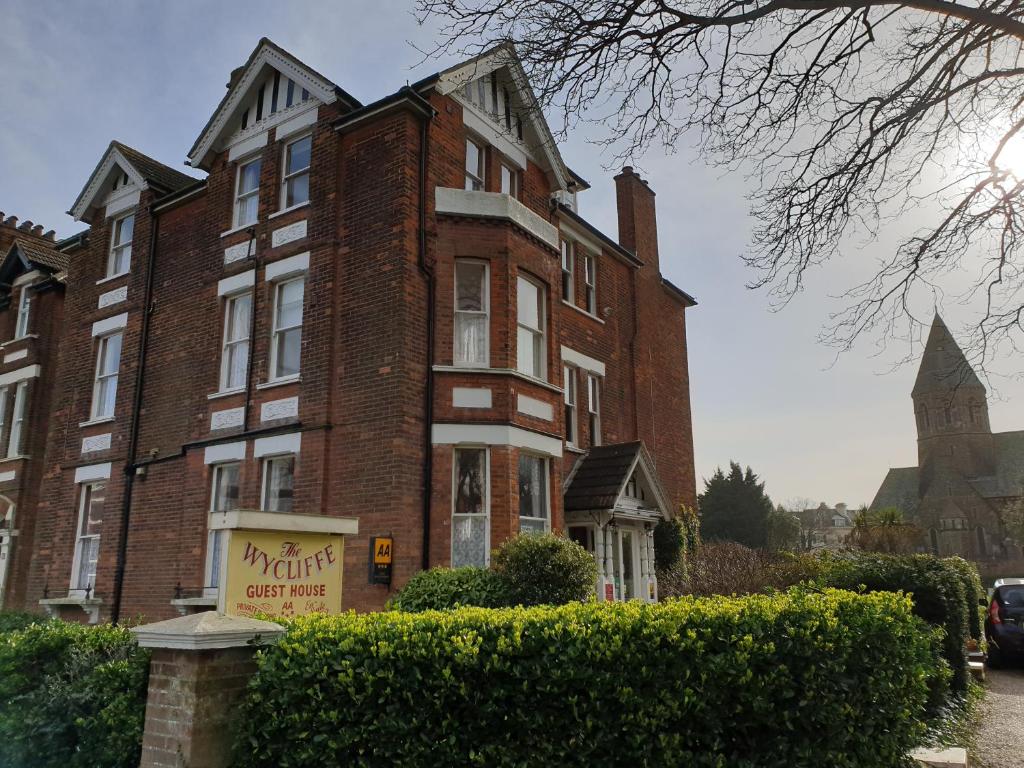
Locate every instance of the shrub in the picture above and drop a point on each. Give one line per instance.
(12, 621)
(545, 569)
(799, 679)
(441, 588)
(938, 591)
(70, 696)
(669, 544)
(974, 592)
(728, 568)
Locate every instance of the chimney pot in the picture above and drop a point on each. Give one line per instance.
(12, 221)
(627, 169)
(51, 236)
(25, 226)
(37, 230)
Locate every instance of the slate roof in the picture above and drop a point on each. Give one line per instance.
(899, 489)
(155, 172)
(1009, 477)
(600, 476)
(943, 365)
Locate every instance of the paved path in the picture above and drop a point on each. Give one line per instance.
(1000, 741)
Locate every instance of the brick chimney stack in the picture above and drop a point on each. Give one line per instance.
(638, 223)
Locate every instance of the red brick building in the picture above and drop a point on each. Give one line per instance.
(392, 312)
(32, 273)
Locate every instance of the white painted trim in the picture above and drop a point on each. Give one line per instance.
(492, 134)
(20, 354)
(249, 144)
(283, 211)
(237, 282)
(587, 363)
(227, 419)
(29, 372)
(27, 277)
(110, 298)
(110, 324)
(471, 397)
(293, 265)
(112, 278)
(573, 231)
(289, 233)
(536, 408)
(495, 372)
(282, 382)
(494, 205)
(277, 445)
(99, 177)
(496, 434)
(6, 477)
(286, 408)
(583, 312)
(96, 443)
(295, 124)
(92, 472)
(122, 203)
(215, 454)
(288, 522)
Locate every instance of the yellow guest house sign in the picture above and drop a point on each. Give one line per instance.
(280, 564)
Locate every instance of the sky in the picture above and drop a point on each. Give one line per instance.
(764, 391)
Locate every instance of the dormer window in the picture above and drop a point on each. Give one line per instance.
(297, 156)
(474, 166)
(247, 193)
(120, 257)
(119, 182)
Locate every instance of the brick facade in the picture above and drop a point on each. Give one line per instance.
(377, 419)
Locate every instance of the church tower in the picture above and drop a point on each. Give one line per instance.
(954, 438)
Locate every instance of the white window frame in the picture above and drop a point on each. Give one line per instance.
(568, 248)
(212, 568)
(485, 312)
(24, 308)
(278, 286)
(511, 173)
(486, 514)
(18, 420)
(287, 176)
(594, 407)
(85, 491)
(265, 478)
(240, 196)
(536, 333)
(101, 346)
(546, 496)
(475, 182)
(228, 345)
(590, 282)
(570, 389)
(117, 247)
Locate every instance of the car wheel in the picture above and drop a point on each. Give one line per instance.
(995, 657)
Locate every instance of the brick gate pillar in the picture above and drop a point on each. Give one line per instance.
(199, 669)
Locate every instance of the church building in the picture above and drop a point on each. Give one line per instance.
(966, 474)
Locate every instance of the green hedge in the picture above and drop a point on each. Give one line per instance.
(441, 588)
(795, 679)
(974, 594)
(71, 696)
(12, 621)
(937, 587)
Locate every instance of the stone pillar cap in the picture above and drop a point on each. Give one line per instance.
(206, 630)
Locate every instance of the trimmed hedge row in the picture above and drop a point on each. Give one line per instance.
(71, 696)
(937, 586)
(795, 679)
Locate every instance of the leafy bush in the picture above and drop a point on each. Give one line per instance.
(71, 696)
(938, 591)
(545, 569)
(442, 588)
(728, 568)
(974, 592)
(669, 544)
(799, 679)
(12, 621)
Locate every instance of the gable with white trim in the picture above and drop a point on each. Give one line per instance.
(272, 89)
(115, 185)
(499, 104)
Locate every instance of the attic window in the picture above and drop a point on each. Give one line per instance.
(275, 93)
(120, 181)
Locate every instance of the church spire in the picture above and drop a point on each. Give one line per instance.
(944, 368)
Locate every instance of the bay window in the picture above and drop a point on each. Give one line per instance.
(470, 508)
(234, 365)
(569, 385)
(247, 193)
(223, 498)
(297, 158)
(87, 543)
(472, 315)
(17, 420)
(120, 257)
(278, 483)
(286, 342)
(474, 166)
(534, 506)
(108, 361)
(531, 354)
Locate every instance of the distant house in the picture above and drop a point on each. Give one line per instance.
(966, 474)
(826, 527)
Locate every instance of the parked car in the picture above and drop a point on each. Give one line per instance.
(1004, 622)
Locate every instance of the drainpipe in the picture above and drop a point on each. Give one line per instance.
(252, 257)
(428, 404)
(133, 434)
